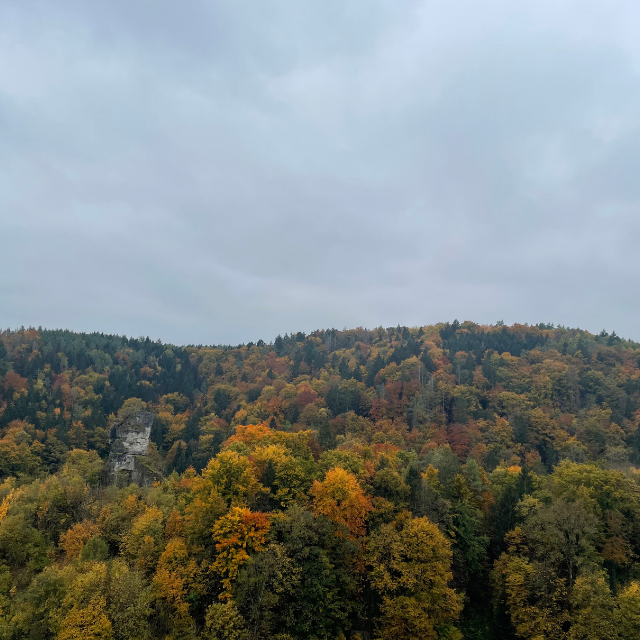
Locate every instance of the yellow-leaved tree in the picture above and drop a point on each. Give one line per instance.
(410, 570)
(143, 544)
(232, 476)
(87, 623)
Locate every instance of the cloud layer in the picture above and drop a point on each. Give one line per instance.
(213, 172)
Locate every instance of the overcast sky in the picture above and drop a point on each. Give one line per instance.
(219, 172)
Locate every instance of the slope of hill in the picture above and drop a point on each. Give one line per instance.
(378, 483)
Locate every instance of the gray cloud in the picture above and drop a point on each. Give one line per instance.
(220, 172)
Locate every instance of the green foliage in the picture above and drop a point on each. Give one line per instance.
(95, 550)
(223, 622)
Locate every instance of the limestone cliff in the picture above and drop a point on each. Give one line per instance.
(129, 439)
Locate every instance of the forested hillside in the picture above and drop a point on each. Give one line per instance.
(445, 481)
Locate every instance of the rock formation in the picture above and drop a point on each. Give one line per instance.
(129, 439)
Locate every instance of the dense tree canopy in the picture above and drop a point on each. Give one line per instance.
(445, 481)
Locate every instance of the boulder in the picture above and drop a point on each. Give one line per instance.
(129, 440)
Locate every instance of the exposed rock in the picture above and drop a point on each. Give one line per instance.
(129, 439)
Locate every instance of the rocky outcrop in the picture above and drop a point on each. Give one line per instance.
(129, 439)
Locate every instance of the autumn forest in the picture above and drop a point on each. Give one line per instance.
(438, 482)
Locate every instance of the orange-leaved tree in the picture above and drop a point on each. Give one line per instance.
(74, 539)
(235, 535)
(175, 572)
(340, 498)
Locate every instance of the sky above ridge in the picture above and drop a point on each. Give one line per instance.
(219, 172)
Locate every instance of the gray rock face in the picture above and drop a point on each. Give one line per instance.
(129, 439)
